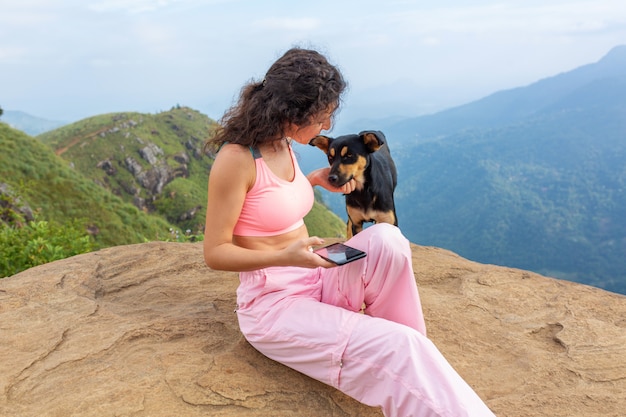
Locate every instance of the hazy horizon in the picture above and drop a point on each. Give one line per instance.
(67, 59)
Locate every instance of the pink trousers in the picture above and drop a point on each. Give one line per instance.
(310, 320)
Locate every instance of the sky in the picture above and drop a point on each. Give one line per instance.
(66, 60)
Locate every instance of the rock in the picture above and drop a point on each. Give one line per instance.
(182, 158)
(156, 178)
(133, 166)
(149, 330)
(107, 166)
(189, 214)
(151, 153)
(12, 210)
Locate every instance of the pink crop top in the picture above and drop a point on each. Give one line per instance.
(274, 206)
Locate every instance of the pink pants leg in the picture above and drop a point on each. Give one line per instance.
(309, 320)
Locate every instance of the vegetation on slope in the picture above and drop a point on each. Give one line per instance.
(111, 180)
(547, 193)
(58, 193)
(155, 162)
(137, 157)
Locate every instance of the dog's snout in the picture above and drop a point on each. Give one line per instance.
(333, 179)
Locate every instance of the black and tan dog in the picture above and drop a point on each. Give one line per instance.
(366, 159)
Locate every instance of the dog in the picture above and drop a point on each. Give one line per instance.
(366, 159)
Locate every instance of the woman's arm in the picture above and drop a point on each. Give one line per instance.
(232, 175)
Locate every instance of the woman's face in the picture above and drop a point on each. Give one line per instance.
(303, 134)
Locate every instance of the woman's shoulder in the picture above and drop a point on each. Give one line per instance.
(234, 151)
(234, 163)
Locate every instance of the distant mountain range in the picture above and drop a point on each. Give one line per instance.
(533, 177)
(29, 124)
(510, 106)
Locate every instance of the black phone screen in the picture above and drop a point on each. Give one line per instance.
(339, 253)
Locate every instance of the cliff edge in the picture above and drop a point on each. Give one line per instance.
(149, 330)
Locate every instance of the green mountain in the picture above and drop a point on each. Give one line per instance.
(150, 161)
(48, 185)
(156, 163)
(533, 177)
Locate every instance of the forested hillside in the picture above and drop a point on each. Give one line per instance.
(56, 192)
(115, 179)
(155, 162)
(533, 177)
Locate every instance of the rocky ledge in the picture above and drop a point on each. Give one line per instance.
(149, 330)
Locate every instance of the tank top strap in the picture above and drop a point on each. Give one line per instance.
(255, 152)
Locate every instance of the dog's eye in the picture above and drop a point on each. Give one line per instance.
(347, 156)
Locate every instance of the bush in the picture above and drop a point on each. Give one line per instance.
(25, 243)
(40, 242)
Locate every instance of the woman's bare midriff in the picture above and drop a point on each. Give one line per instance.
(277, 242)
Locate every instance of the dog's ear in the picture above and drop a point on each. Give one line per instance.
(373, 139)
(322, 142)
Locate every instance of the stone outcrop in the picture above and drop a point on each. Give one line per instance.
(149, 330)
(12, 210)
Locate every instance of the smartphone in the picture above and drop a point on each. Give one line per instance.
(339, 253)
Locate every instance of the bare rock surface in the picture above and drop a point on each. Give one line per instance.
(149, 330)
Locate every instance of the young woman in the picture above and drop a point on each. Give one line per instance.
(293, 306)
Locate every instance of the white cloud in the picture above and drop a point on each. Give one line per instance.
(286, 23)
(130, 6)
(511, 17)
(431, 41)
(152, 33)
(11, 53)
(101, 63)
(26, 13)
(143, 6)
(445, 46)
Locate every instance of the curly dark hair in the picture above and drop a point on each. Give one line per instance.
(298, 86)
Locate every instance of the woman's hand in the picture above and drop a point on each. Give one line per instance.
(320, 177)
(300, 253)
